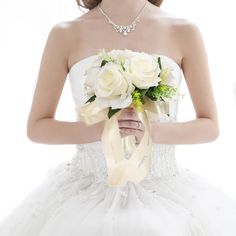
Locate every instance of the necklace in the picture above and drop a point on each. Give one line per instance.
(123, 29)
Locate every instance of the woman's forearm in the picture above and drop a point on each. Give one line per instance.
(199, 130)
(52, 131)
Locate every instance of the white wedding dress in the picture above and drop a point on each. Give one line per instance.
(74, 200)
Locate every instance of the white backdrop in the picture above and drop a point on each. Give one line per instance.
(24, 29)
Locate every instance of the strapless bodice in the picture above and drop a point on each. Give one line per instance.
(89, 158)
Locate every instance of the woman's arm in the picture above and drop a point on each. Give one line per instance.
(196, 72)
(199, 130)
(42, 127)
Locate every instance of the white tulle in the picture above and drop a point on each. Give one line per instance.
(74, 200)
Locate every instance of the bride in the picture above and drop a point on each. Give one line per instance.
(75, 199)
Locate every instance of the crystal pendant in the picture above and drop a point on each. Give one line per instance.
(125, 29)
(120, 28)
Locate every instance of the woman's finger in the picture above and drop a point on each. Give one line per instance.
(137, 133)
(130, 124)
(128, 114)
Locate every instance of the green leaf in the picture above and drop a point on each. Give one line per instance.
(122, 65)
(143, 91)
(159, 62)
(91, 99)
(160, 92)
(151, 93)
(104, 62)
(111, 112)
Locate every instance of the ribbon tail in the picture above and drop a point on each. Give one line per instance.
(113, 149)
(137, 167)
(129, 144)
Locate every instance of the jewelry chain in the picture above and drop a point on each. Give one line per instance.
(123, 29)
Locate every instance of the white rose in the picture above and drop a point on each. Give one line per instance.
(167, 76)
(91, 77)
(111, 87)
(142, 69)
(120, 56)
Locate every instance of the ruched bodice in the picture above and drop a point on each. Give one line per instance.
(89, 158)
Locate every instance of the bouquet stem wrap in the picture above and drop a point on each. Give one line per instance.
(121, 170)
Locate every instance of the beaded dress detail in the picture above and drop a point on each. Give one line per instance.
(74, 199)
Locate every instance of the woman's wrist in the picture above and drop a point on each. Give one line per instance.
(153, 131)
(99, 130)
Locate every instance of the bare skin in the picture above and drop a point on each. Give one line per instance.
(69, 42)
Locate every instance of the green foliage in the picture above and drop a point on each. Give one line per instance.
(159, 62)
(137, 98)
(138, 94)
(111, 112)
(104, 62)
(161, 92)
(91, 99)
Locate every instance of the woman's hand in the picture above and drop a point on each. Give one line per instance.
(130, 124)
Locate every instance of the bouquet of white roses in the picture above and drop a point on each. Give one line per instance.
(119, 79)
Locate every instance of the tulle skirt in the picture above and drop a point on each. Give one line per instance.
(184, 204)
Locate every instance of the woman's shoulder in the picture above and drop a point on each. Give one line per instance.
(181, 27)
(183, 24)
(174, 21)
(71, 26)
(66, 26)
(68, 29)
(186, 30)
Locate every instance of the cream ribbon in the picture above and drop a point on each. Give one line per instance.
(121, 170)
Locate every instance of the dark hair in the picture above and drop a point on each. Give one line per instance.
(90, 4)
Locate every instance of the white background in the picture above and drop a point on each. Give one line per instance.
(24, 29)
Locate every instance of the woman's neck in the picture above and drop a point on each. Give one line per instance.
(123, 11)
